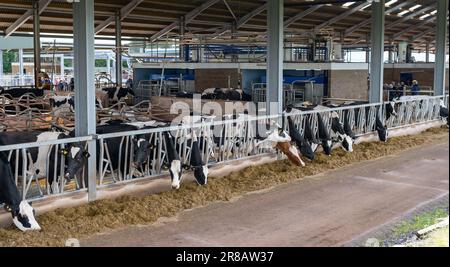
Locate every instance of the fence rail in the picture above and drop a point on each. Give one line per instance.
(220, 141)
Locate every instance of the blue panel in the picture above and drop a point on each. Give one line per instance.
(290, 79)
(155, 74)
(249, 77)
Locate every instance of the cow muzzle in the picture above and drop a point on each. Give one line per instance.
(68, 176)
(175, 186)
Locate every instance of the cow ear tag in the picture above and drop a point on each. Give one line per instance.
(86, 154)
(64, 151)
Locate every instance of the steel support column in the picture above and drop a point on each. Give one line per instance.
(108, 65)
(275, 23)
(182, 54)
(441, 40)
(62, 67)
(1, 65)
(84, 62)
(21, 67)
(377, 58)
(201, 50)
(37, 43)
(391, 51)
(368, 48)
(118, 50)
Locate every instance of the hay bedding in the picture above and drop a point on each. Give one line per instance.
(58, 226)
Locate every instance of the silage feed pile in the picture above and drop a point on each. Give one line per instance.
(58, 226)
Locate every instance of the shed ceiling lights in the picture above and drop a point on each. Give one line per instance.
(348, 4)
(402, 13)
(388, 4)
(424, 16)
(414, 7)
(408, 10)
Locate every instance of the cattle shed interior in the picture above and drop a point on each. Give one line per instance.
(287, 52)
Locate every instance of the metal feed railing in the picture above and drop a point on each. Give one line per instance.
(28, 182)
(220, 141)
(291, 96)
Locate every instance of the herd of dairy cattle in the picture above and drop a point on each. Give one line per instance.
(294, 142)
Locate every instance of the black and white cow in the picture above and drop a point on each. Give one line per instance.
(77, 155)
(144, 144)
(174, 161)
(382, 129)
(214, 93)
(343, 130)
(338, 127)
(196, 163)
(116, 94)
(443, 111)
(390, 110)
(40, 166)
(324, 136)
(390, 107)
(60, 104)
(23, 215)
(347, 126)
(238, 95)
(309, 134)
(225, 94)
(325, 139)
(18, 92)
(303, 145)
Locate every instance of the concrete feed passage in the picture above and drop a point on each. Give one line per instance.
(329, 210)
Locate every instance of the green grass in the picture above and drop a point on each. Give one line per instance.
(421, 221)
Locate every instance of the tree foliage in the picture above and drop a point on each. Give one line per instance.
(8, 58)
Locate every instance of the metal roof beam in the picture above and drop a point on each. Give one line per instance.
(229, 9)
(340, 17)
(188, 17)
(367, 21)
(242, 21)
(412, 27)
(28, 14)
(410, 16)
(124, 12)
(424, 33)
(301, 15)
(400, 5)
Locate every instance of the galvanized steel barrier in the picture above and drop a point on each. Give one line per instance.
(220, 141)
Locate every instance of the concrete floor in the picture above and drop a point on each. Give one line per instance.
(328, 210)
